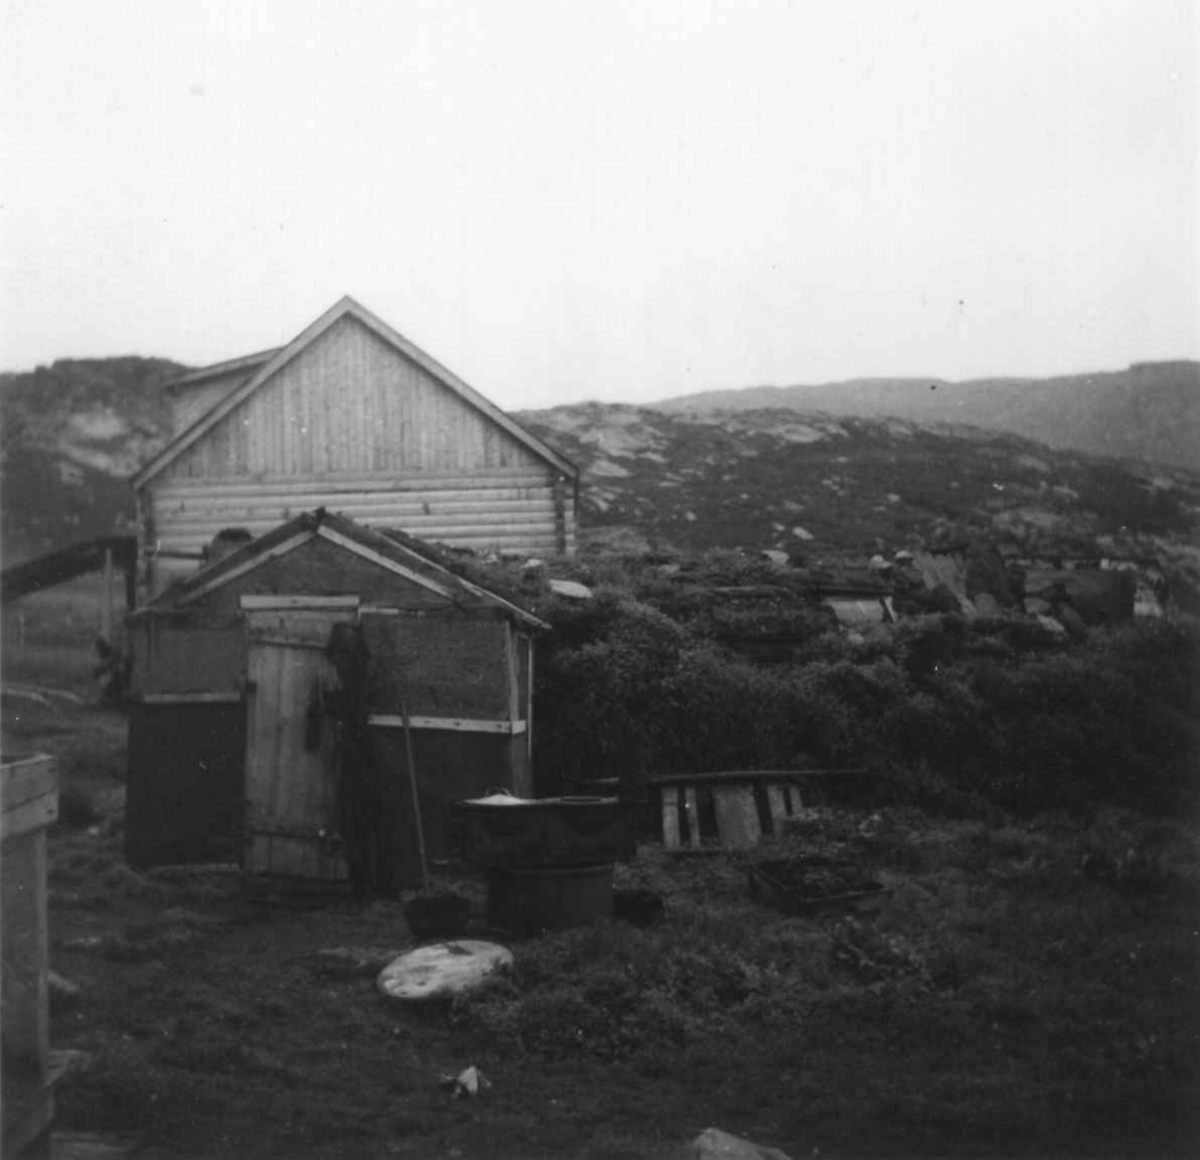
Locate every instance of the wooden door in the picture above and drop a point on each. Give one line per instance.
(291, 778)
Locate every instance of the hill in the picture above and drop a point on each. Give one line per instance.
(1149, 412)
(804, 482)
(808, 482)
(72, 434)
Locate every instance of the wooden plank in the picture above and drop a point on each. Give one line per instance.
(24, 990)
(418, 578)
(693, 816)
(670, 818)
(280, 549)
(737, 816)
(272, 602)
(514, 677)
(457, 724)
(753, 775)
(503, 480)
(189, 698)
(35, 814)
(779, 807)
(26, 778)
(528, 705)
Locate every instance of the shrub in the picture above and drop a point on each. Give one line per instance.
(957, 714)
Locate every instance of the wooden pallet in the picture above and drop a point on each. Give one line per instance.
(748, 804)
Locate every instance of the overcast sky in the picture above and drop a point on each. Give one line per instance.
(611, 200)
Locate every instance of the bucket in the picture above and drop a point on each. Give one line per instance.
(525, 900)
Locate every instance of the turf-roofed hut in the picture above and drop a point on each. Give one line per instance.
(351, 416)
(285, 695)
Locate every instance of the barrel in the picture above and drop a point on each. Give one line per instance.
(526, 900)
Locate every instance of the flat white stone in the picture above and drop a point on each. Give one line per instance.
(571, 589)
(442, 969)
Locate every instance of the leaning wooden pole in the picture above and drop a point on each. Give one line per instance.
(106, 618)
(416, 803)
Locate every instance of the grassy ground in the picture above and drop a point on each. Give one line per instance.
(1023, 990)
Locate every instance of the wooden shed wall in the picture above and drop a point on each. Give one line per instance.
(185, 786)
(450, 767)
(187, 782)
(316, 568)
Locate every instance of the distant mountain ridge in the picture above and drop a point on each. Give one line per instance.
(1149, 412)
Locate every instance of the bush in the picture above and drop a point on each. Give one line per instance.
(950, 713)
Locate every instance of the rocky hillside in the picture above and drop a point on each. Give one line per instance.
(1149, 412)
(808, 482)
(73, 433)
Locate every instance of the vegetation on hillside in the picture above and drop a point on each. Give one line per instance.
(950, 713)
(72, 433)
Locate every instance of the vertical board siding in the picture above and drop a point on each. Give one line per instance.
(291, 788)
(189, 403)
(351, 402)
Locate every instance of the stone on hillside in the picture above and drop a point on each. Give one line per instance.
(571, 589)
(1051, 625)
(714, 1144)
(986, 604)
(779, 559)
(801, 533)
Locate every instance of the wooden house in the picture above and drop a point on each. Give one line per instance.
(351, 416)
(252, 739)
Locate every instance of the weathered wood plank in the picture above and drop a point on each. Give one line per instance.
(456, 724)
(190, 698)
(290, 780)
(693, 816)
(24, 990)
(25, 778)
(670, 818)
(778, 806)
(737, 816)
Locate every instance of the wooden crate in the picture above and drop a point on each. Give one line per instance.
(29, 797)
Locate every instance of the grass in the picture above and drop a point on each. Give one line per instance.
(1026, 988)
(1000, 1002)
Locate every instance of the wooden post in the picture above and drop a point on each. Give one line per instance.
(693, 816)
(560, 517)
(670, 817)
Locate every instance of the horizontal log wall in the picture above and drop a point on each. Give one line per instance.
(495, 511)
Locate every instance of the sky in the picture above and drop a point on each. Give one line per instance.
(618, 201)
